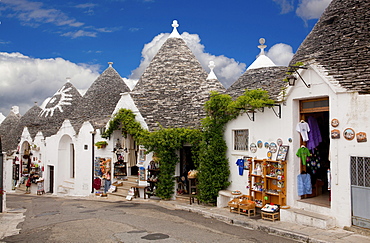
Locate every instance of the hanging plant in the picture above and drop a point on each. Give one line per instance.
(101, 144)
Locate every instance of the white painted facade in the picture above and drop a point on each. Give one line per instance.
(350, 109)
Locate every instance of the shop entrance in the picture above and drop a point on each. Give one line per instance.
(51, 178)
(186, 164)
(316, 113)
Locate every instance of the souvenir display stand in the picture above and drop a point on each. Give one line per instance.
(267, 182)
(243, 205)
(270, 212)
(152, 178)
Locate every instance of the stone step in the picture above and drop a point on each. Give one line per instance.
(304, 217)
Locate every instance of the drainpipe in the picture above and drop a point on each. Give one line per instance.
(1, 177)
(92, 159)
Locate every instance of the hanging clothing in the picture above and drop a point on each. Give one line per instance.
(303, 153)
(240, 163)
(314, 135)
(304, 185)
(303, 128)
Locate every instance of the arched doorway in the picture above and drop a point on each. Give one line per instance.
(66, 162)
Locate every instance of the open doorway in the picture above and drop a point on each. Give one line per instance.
(186, 164)
(316, 113)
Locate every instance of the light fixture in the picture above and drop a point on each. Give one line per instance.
(291, 78)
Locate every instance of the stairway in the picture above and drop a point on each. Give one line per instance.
(123, 186)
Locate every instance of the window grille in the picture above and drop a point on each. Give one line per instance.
(360, 168)
(241, 139)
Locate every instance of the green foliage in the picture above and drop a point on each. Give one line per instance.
(165, 143)
(209, 147)
(124, 120)
(101, 144)
(253, 99)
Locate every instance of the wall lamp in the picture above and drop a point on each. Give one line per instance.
(291, 78)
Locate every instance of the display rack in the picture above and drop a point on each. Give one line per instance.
(267, 182)
(120, 169)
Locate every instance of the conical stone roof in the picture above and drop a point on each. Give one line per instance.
(340, 42)
(174, 87)
(100, 100)
(7, 131)
(31, 120)
(266, 78)
(59, 108)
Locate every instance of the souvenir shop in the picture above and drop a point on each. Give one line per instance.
(314, 180)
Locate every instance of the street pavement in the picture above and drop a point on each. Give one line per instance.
(10, 219)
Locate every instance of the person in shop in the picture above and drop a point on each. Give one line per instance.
(107, 183)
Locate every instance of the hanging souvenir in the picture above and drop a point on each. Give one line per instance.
(273, 147)
(361, 137)
(266, 145)
(279, 142)
(259, 144)
(349, 134)
(253, 147)
(335, 134)
(334, 123)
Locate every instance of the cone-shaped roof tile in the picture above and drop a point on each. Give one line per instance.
(340, 43)
(59, 108)
(267, 78)
(7, 131)
(100, 100)
(172, 90)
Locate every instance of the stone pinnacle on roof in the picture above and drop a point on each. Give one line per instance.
(211, 74)
(262, 60)
(175, 33)
(262, 46)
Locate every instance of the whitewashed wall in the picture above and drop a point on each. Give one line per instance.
(350, 109)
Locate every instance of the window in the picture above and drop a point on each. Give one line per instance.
(241, 139)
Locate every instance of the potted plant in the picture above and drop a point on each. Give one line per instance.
(101, 144)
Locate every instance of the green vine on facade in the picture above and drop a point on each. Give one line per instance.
(208, 144)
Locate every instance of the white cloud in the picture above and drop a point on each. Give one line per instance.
(286, 5)
(34, 12)
(280, 54)
(227, 69)
(311, 9)
(79, 33)
(25, 80)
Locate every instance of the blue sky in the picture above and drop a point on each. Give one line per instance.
(42, 42)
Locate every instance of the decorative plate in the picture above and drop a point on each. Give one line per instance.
(349, 134)
(361, 137)
(266, 145)
(279, 142)
(334, 123)
(269, 154)
(273, 147)
(259, 144)
(335, 134)
(290, 140)
(253, 147)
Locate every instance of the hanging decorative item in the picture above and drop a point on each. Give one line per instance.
(361, 137)
(279, 142)
(334, 122)
(269, 155)
(349, 134)
(253, 147)
(273, 147)
(290, 140)
(267, 145)
(335, 134)
(259, 144)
